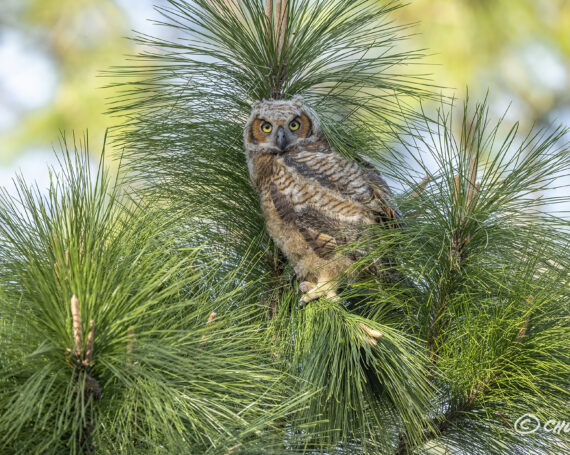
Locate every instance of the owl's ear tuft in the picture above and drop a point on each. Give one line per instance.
(257, 104)
(297, 101)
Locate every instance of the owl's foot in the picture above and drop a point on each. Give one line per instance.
(312, 291)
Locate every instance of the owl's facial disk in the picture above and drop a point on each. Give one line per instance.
(280, 134)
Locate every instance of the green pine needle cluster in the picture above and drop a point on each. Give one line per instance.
(151, 313)
(492, 266)
(163, 374)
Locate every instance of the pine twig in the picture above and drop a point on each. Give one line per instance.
(83, 363)
(459, 241)
(130, 339)
(269, 8)
(280, 20)
(77, 330)
(277, 16)
(213, 314)
(276, 263)
(90, 341)
(282, 11)
(421, 187)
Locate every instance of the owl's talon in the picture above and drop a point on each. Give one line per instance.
(311, 291)
(306, 298)
(306, 287)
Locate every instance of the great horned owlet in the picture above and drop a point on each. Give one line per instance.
(313, 199)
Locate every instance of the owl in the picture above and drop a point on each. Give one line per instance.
(313, 199)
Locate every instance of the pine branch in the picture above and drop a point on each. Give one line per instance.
(475, 241)
(459, 242)
(279, 25)
(441, 424)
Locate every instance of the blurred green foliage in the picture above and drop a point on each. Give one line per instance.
(82, 37)
(518, 49)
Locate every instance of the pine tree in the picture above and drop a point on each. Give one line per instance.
(154, 315)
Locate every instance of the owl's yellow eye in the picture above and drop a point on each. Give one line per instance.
(266, 127)
(294, 125)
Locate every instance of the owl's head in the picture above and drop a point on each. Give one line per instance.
(276, 126)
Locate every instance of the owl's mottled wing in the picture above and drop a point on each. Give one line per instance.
(359, 181)
(332, 201)
(382, 193)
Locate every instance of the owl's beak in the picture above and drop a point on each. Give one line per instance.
(281, 138)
